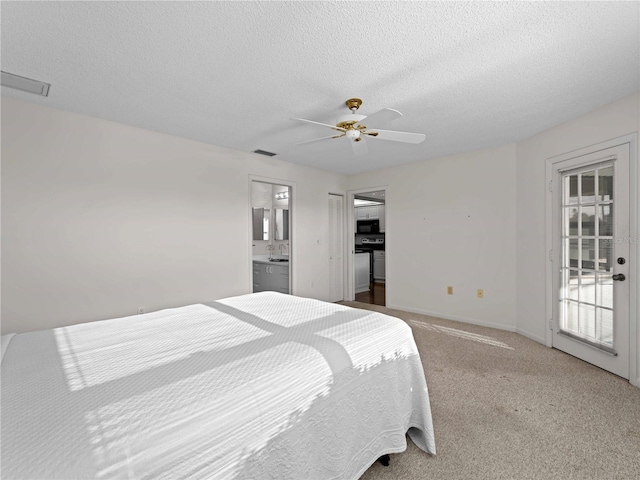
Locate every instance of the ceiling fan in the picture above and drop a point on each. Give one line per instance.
(353, 127)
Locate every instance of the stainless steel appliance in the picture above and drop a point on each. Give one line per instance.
(375, 245)
(368, 226)
(362, 266)
(379, 269)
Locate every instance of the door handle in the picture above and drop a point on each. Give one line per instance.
(619, 277)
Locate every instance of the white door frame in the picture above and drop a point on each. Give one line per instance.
(634, 253)
(351, 237)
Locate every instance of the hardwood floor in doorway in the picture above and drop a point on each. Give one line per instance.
(376, 295)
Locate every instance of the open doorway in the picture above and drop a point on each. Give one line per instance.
(369, 253)
(271, 237)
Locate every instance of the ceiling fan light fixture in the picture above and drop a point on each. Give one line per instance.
(353, 135)
(352, 127)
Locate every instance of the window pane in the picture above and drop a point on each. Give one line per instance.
(605, 326)
(588, 221)
(605, 254)
(605, 184)
(573, 285)
(588, 253)
(605, 220)
(571, 220)
(571, 190)
(588, 287)
(605, 290)
(588, 186)
(588, 321)
(571, 322)
(573, 252)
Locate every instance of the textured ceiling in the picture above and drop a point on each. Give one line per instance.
(469, 75)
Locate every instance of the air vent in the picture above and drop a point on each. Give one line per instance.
(264, 152)
(25, 84)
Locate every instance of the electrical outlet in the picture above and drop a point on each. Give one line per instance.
(449, 290)
(140, 310)
(480, 293)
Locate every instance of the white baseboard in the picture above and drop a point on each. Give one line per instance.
(531, 336)
(445, 316)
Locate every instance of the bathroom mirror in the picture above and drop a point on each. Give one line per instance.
(281, 224)
(261, 223)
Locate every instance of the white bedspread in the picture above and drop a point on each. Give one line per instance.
(257, 386)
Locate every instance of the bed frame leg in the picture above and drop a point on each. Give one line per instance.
(384, 460)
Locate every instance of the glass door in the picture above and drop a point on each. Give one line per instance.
(587, 264)
(592, 306)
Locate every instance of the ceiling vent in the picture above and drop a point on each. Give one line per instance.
(264, 152)
(25, 84)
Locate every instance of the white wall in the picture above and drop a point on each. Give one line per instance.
(612, 121)
(99, 218)
(451, 222)
(477, 220)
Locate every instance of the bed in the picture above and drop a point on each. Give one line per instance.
(262, 386)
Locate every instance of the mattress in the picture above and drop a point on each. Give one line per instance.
(257, 386)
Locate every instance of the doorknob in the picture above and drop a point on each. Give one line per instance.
(620, 277)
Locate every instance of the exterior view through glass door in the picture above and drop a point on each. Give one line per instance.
(591, 215)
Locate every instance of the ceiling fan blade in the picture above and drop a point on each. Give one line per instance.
(381, 118)
(321, 138)
(318, 123)
(404, 137)
(359, 147)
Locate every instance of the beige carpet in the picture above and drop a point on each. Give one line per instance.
(506, 407)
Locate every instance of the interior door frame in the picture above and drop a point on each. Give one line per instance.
(634, 253)
(292, 227)
(351, 240)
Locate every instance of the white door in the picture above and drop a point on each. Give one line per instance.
(336, 248)
(591, 225)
